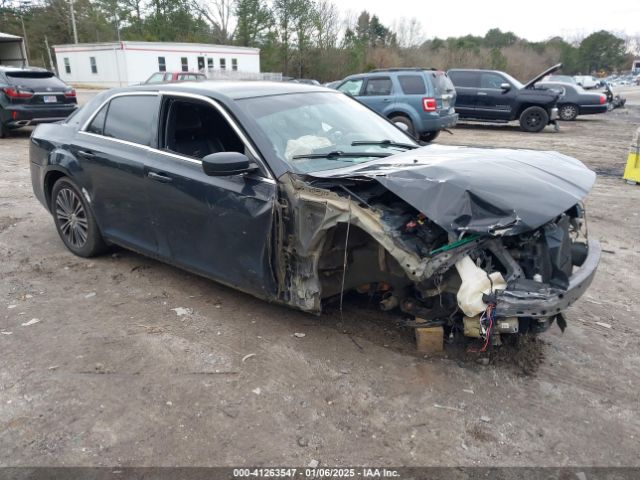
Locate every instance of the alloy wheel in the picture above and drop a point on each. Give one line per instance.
(72, 217)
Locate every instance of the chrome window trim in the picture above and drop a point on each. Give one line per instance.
(269, 179)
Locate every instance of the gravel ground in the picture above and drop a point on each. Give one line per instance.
(111, 375)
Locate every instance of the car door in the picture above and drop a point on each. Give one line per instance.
(220, 227)
(466, 84)
(378, 93)
(112, 149)
(493, 101)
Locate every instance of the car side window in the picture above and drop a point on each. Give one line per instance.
(465, 79)
(412, 84)
(491, 80)
(132, 118)
(378, 86)
(97, 124)
(196, 129)
(351, 87)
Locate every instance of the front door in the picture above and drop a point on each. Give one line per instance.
(494, 102)
(217, 226)
(378, 94)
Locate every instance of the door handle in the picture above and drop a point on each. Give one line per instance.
(386, 100)
(87, 154)
(484, 94)
(159, 177)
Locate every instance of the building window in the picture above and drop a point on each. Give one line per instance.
(94, 67)
(67, 65)
(234, 64)
(223, 64)
(162, 64)
(210, 63)
(185, 64)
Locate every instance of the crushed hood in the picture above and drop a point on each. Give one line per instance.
(493, 191)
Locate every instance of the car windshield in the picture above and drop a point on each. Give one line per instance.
(31, 79)
(513, 81)
(324, 130)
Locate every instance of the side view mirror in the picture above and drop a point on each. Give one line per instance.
(223, 164)
(402, 126)
(505, 86)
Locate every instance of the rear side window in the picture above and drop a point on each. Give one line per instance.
(35, 80)
(465, 79)
(412, 84)
(132, 118)
(378, 86)
(442, 83)
(97, 124)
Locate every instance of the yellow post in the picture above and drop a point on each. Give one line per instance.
(632, 170)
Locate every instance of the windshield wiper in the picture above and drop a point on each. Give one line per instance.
(339, 154)
(384, 143)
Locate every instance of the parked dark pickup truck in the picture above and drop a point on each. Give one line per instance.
(493, 96)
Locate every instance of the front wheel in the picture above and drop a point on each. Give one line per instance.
(75, 221)
(430, 136)
(534, 119)
(568, 112)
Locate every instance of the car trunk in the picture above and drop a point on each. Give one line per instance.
(445, 92)
(39, 88)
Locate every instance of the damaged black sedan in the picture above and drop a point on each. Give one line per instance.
(298, 194)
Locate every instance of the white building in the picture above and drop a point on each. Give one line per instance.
(127, 63)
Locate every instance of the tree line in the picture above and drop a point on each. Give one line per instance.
(303, 38)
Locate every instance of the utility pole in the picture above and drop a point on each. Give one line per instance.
(51, 65)
(73, 22)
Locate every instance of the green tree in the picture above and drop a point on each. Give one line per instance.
(601, 51)
(253, 21)
(496, 38)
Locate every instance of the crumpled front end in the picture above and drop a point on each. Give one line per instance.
(485, 271)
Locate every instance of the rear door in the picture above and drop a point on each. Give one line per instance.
(112, 149)
(494, 102)
(466, 84)
(378, 93)
(445, 92)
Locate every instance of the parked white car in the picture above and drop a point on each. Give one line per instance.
(587, 81)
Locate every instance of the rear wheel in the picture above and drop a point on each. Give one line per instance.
(405, 121)
(568, 112)
(534, 119)
(74, 220)
(430, 136)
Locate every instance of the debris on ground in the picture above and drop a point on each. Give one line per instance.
(303, 441)
(180, 311)
(485, 419)
(248, 356)
(257, 391)
(89, 295)
(603, 324)
(3, 332)
(33, 321)
(314, 464)
(299, 335)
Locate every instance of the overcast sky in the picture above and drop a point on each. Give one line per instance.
(534, 20)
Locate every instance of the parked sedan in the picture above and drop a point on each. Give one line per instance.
(297, 194)
(574, 100)
(30, 96)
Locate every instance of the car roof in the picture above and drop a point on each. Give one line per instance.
(9, 68)
(235, 90)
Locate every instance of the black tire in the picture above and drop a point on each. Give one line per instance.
(534, 119)
(74, 220)
(404, 120)
(568, 112)
(429, 136)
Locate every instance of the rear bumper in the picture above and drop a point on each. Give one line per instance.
(438, 123)
(591, 109)
(25, 115)
(548, 302)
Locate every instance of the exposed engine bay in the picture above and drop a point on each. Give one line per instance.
(485, 272)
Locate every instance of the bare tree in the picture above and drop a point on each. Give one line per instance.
(219, 13)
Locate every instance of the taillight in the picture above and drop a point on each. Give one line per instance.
(429, 104)
(603, 99)
(17, 93)
(70, 93)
